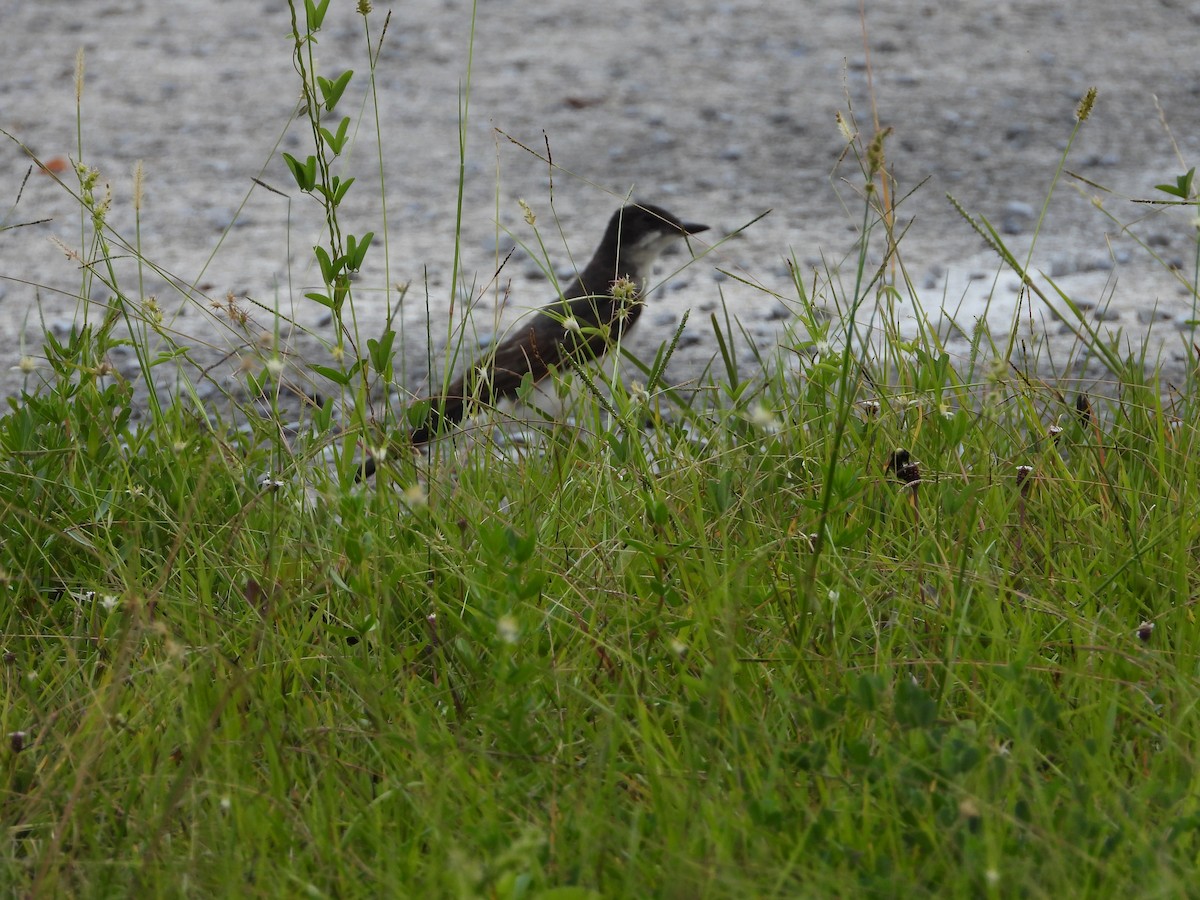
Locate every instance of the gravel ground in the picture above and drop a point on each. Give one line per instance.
(717, 110)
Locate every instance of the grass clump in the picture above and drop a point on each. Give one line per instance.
(864, 622)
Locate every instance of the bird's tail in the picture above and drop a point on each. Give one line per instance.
(488, 382)
(444, 412)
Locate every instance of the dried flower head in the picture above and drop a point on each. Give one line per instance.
(508, 629)
(844, 127)
(626, 294)
(876, 159)
(79, 75)
(1084, 109)
(764, 417)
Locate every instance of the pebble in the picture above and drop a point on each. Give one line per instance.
(218, 217)
(1185, 322)
(1018, 134)
(1096, 264)
(1017, 217)
(498, 245)
(1061, 266)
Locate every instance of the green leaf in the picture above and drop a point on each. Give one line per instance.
(1182, 188)
(315, 13)
(329, 269)
(334, 375)
(341, 288)
(323, 299)
(570, 892)
(380, 350)
(356, 251)
(305, 172)
(417, 413)
(332, 90)
(336, 141)
(914, 707)
(339, 189)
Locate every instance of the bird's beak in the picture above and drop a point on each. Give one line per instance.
(693, 228)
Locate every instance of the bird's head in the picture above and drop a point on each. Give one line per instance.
(637, 234)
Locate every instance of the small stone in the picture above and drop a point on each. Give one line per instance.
(1061, 266)
(1018, 208)
(1152, 315)
(1018, 134)
(1017, 217)
(218, 217)
(1185, 322)
(1096, 264)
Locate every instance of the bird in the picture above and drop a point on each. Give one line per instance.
(590, 314)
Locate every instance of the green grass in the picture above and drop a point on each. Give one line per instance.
(727, 655)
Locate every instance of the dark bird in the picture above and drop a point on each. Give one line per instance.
(592, 313)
